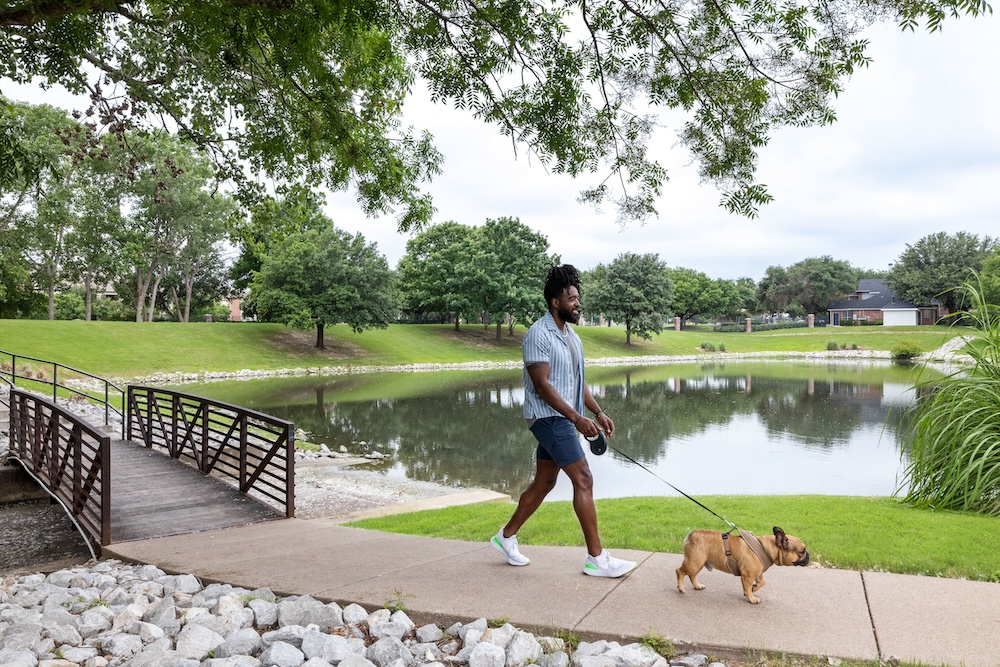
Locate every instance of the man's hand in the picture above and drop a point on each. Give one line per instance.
(587, 426)
(606, 424)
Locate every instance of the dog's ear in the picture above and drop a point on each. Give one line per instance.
(781, 538)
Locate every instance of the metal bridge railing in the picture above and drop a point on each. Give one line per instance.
(107, 394)
(68, 456)
(255, 450)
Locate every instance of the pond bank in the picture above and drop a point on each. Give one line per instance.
(946, 356)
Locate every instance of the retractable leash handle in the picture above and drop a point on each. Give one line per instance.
(598, 443)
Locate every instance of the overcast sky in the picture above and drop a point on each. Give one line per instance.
(915, 150)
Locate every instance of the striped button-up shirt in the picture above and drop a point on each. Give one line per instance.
(544, 343)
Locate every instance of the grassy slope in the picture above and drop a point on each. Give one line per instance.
(128, 349)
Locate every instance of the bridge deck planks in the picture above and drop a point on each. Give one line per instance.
(152, 495)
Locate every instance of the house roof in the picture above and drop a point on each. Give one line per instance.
(874, 302)
(873, 286)
(882, 298)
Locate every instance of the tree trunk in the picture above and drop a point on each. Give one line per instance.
(457, 318)
(188, 288)
(319, 336)
(141, 287)
(52, 300)
(499, 324)
(88, 295)
(628, 332)
(152, 298)
(177, 304)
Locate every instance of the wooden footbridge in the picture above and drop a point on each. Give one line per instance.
(181, 463)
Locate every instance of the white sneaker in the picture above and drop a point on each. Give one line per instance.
(607, 565)
(508, 547)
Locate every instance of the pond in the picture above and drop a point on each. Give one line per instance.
(754, 428)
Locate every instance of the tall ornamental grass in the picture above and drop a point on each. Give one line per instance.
(954, 441)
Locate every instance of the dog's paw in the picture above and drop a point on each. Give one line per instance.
(699, 587)
(753, 600)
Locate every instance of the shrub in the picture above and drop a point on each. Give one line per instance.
(722, 347)
(953, 443)
(831, 345)
(708, 347)
(854, 346)
(905, 350)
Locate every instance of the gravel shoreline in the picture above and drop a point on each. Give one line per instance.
(110, 614)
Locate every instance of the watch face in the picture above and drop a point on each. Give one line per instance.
(598, 444)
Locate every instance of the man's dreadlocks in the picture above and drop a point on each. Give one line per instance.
(560, 278)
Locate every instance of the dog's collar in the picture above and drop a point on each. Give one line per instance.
(751, 541)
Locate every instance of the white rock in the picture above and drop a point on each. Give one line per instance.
(234, 661)
(355, 614)
(522, 649)
(228, 604)
(387, 650)
(265, 613)
(554, 659)
(282, 654)
(78, 654)
(378, 616)
(355, 660)
(329, 648)
(428, 633)
(122, 646)
(388, 629)
(486, 654)
(195, 641)
(245, 641)
(400, 617)
(148, 632)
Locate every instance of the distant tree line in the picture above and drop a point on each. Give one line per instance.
(140, 213)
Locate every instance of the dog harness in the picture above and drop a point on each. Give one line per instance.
(751, 541)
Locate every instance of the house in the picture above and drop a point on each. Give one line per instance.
(874, 303)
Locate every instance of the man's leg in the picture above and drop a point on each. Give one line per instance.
(583, 504)
(546, 472)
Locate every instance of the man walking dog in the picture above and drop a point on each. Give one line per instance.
(555, 396)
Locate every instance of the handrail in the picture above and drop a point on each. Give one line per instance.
(68, 456)
(255, 450)
(13, 376)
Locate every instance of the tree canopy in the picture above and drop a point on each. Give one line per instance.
(936, 266)
(495, 272)
(634, 289)
(807, 286)
(324, 276)
(313, 90)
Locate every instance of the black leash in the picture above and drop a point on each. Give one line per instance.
(599, 444)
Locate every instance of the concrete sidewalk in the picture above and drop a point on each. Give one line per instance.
(838, 613)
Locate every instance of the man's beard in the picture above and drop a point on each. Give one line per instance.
(568, 315)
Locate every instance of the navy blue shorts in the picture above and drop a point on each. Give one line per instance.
(557, 441)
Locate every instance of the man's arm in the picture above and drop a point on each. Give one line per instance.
(602, 419)
(539, 374)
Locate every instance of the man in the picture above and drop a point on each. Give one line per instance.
(555, 396)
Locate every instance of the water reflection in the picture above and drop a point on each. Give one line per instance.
(736, 429)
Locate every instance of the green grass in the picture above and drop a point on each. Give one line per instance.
(842, 532)
(130, 349)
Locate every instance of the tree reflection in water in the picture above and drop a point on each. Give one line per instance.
(772, 424)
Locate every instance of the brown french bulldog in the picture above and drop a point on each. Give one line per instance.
(705, 548)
